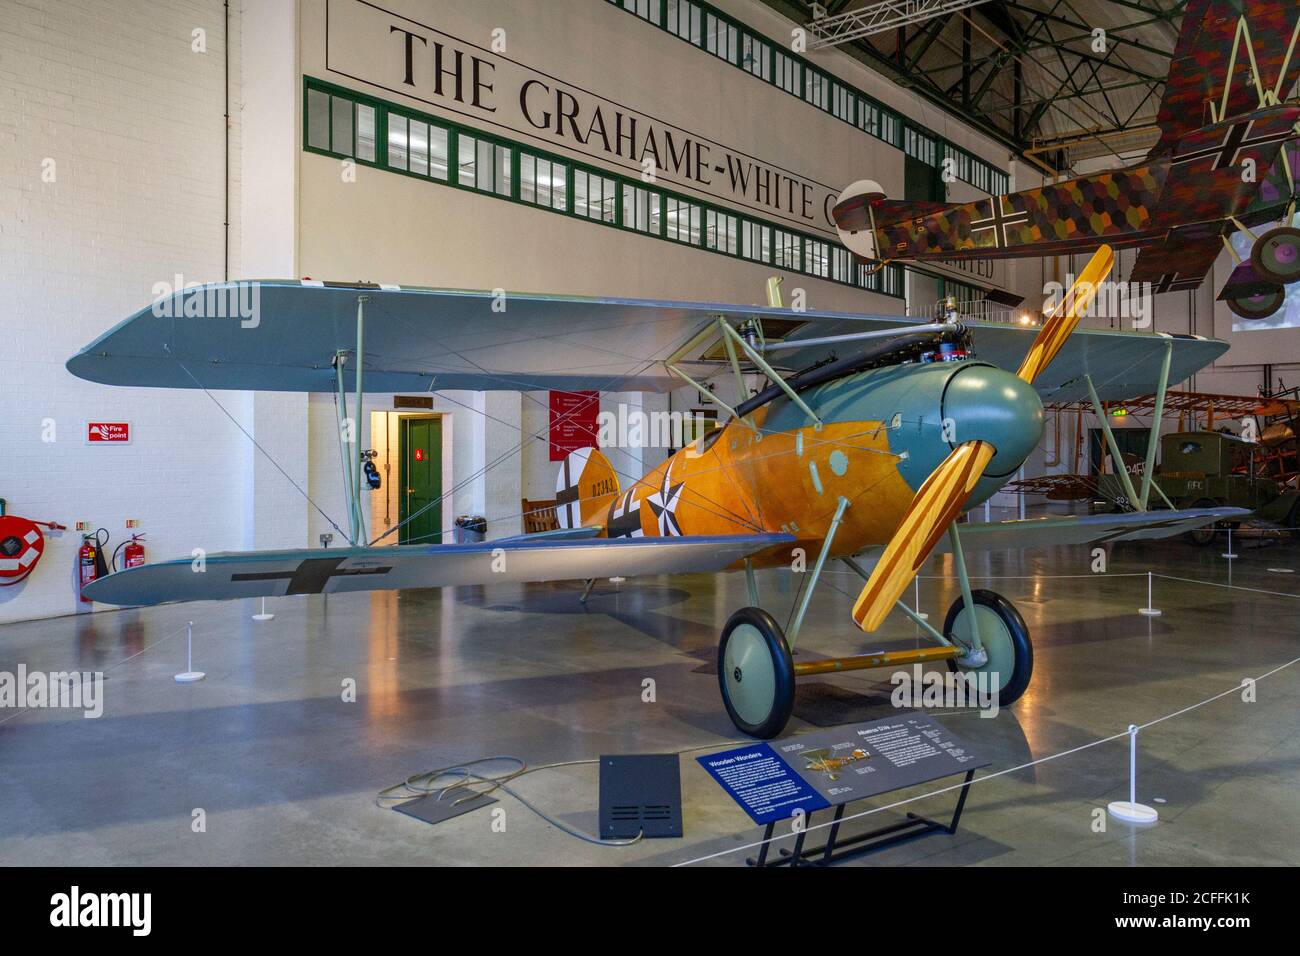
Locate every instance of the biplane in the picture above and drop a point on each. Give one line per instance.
(873, 435)
(1225, 161)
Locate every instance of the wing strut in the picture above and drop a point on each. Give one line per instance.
(350, 429)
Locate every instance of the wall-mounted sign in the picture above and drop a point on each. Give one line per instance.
(573, 422)
(413, 401)
(386, 50)
(108, 433)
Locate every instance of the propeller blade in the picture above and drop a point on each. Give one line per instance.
(1067, 314)
(935, 506)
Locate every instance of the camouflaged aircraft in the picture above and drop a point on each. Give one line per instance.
(1225, 162)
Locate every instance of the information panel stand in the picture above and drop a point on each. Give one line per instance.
(834, 849)
(809, 773)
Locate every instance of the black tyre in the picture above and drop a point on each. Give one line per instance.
(756, 673)
(1276, 255)
(1260, 305)
(1003, 635)
(1203, 536)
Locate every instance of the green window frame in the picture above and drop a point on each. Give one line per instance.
(708, 28)
(682, 220)
(418, 146)
(383, 139)
(485, 164)
(641, 209)
(543, 181)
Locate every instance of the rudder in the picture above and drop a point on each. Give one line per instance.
(584, 488)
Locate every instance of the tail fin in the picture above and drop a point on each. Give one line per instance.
(584, 488)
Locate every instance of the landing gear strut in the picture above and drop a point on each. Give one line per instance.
(757, 674)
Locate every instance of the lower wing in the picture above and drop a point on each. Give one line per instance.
(1180, 262)
(1088, 529)
(306, 571)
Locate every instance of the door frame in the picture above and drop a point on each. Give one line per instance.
(445, 436)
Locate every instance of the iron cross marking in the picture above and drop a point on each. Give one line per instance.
(311, 576)
(998, 220)
(1236, 139)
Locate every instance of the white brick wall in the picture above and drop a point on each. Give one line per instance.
(133, 120)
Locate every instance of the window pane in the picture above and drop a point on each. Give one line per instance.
(527, 178)
(559, 186)
(396, 141)
(502, 171)
(466, 149)
(342, 135)
(438, 153)
(318, 119)
(579, 193)
(419, 148)
(366, 132)
(484, 157)
(608, 197)
(543, 182)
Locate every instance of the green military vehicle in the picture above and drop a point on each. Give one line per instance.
(1204, 469)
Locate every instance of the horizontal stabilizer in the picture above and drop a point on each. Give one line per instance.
(338, 570)
(1244, 282)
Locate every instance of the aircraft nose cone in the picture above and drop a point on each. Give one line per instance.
(983, 403)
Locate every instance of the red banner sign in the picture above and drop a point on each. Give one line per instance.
(573, 422)
(108, 433)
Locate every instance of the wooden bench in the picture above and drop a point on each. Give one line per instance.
(539, 515)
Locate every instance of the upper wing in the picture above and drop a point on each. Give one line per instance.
(1178, 263)
(1199, 67)
(283, 336)
(331, 571)
(1085, 529)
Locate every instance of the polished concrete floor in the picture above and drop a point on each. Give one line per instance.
(285, 771)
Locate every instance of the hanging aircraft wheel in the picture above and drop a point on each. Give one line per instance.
(1276, 255)
(1258, 306)
(1004, 637)
(756, 673)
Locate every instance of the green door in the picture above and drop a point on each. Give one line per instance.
(420, 490)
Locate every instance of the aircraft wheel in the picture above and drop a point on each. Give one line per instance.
(1203, 536)
(1004, 637)
(1258, 306)
(1276, 255)
(756, 673)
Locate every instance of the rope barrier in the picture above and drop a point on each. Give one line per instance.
(987, 777)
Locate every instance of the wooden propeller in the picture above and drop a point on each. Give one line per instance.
(944, 494)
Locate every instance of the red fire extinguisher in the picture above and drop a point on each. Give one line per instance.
(90, 560)
(132, 552)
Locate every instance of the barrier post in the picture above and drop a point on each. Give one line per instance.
(1130, 811)
(1149, 611)
(190, 675)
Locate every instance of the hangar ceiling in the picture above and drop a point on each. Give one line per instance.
(1033, 74)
